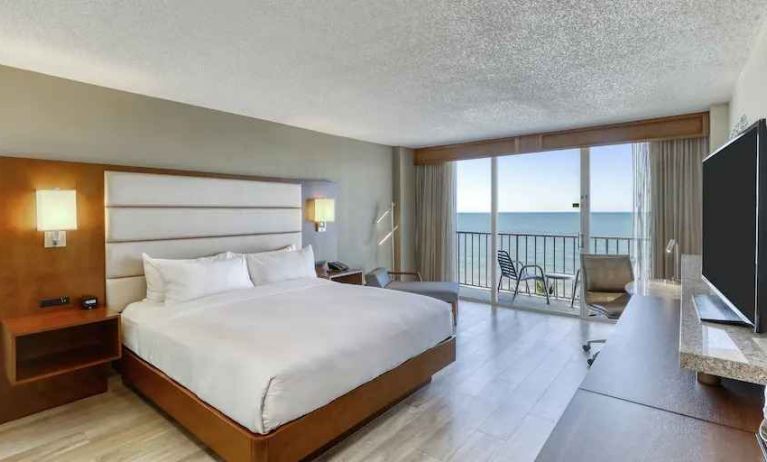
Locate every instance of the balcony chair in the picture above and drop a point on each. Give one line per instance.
(509, 270)
(445, 291)
(604, 282)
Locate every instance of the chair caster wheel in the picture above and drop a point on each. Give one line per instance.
(586, 347)
(590, 361)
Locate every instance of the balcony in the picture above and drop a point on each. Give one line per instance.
(552, 252)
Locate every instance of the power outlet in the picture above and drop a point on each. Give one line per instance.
(49, 302)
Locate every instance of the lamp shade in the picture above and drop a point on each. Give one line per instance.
(56, 210)
(322, 210)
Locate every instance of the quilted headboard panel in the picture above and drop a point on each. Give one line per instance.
(172, 216)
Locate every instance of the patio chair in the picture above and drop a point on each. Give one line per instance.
(509, 270)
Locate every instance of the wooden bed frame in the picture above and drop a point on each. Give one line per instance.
(294, 440)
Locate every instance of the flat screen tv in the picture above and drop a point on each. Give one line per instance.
(735, 229)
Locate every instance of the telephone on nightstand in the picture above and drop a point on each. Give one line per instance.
(337, 266)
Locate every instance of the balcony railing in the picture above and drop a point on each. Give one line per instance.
(554, 253)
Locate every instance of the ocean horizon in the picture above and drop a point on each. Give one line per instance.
(603, 224)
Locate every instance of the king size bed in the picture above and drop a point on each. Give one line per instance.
(270, 371)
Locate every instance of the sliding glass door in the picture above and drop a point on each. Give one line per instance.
(473, 224)
(551, 207)
(539, 225)
(611, 203)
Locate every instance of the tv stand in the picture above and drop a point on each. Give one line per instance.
(711, 308)
(723, 350)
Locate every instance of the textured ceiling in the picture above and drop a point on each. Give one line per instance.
(398, 72)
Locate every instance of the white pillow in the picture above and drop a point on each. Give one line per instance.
(155, 286)
(190, 279)
(271, 267)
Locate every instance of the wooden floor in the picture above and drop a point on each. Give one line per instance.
(522, 300)
(513, 377)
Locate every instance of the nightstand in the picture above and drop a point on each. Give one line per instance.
(46, 344)
(350, 276)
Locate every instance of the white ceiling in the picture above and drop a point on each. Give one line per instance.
(398, 72)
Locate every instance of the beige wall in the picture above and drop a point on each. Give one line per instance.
(52, 118)
(719, 125)
(749, 99)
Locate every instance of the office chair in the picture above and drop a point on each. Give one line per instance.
(604, 282)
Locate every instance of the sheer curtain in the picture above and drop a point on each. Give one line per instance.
(435, 211)
(667, 202)
(642, 244)
(676, 193)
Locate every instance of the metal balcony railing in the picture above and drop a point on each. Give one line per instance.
(555, 253)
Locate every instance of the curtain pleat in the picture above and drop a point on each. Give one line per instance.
(676, 196)
(435, 209)
(642, 216)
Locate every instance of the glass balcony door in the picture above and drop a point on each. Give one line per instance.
(611, 200)
(474, 240)
(539, 225)
(551, 207)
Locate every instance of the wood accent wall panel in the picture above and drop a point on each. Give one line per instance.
(681, 126)
(31, 272)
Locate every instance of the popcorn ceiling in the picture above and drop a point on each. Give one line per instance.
(398, 72)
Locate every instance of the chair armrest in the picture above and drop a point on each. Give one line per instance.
(535, 267)
(407, 273)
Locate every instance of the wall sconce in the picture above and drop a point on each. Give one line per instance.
(56, 214)
(321, 211)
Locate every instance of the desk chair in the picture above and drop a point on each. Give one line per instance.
(604, 282)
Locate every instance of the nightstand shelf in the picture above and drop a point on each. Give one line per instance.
(45, 345)
(350, 276)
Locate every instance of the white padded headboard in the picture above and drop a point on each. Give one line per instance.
(172, 216)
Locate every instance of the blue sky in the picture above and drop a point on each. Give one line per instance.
(549, 181)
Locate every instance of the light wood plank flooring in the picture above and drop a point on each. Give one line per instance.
(515, 374)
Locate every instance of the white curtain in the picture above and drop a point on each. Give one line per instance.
(642, 244)
(435, 210)
(677, 199)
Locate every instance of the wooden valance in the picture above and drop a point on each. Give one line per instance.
(664, 128)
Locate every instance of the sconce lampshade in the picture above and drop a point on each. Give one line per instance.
(56, 210)
(322, 210)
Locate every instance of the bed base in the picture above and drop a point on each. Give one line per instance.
(294, 440)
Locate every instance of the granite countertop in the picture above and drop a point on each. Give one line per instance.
(717, 349)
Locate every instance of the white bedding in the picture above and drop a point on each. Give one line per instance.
(267, 355)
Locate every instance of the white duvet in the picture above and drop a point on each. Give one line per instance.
(267, 355)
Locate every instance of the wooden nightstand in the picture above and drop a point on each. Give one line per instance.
(47, 344)
(350, 276)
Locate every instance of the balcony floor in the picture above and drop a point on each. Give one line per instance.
(523, 301)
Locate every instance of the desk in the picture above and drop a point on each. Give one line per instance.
(655, 287)
(637, 403)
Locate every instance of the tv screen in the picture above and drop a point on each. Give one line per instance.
(730, 222)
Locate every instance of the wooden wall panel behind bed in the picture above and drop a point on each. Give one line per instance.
(31, 272)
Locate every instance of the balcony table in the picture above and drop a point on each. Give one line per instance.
(567, 277)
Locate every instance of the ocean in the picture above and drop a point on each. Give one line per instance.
(547, 239)
(612, 224)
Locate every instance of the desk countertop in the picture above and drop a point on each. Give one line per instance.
(637, 403)
(717, 349)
